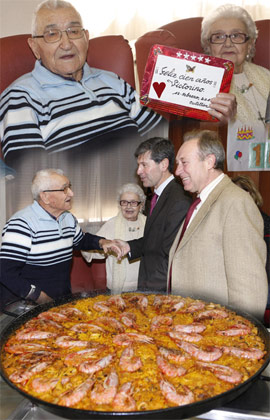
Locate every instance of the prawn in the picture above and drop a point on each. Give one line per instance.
(173, 396)
(95, 366)
(123, 400)
(86, 326)
(174, 355)
(101, 306)
(141, 301)
(129, 320)
(104, 394)
(126, 339)
(235, 330)
(225, 373)
(74, 396)
(195, 307)
(43, 323)
(118, 301)
(65, 341)
(72, 312)
(249, 353)
(37, 356)
(24, 348)
(159, 321)
(111, 322)
(212, 314)
(54, 316)
(161, 300)
(190, 337)
(128, 362)
(44, 385)
(30, 334)
(77, 357)
(23, 375)
(169, 369)
(209, 355)
(195, 327)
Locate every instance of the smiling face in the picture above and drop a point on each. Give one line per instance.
(56, 202)
(229, 51)
(129, 212)
(152, 174)
(194, 172)
(65, 57)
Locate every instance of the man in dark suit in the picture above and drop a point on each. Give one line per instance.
(155, 159)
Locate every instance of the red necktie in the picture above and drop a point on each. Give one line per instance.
(187, 219)
(153, 203)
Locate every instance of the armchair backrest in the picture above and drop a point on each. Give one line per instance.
(110, 52)
(187, 33)
(262, 56)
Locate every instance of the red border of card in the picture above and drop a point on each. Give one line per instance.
(159, 105)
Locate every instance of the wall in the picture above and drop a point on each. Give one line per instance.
(130, 19)
(16, 16)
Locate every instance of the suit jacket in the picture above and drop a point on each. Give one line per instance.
(159, 233)
(222, 255)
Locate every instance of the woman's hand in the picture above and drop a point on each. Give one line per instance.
(223, 107)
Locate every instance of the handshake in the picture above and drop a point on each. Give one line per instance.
(116, 246)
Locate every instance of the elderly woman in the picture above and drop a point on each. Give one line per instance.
(230, 33)
(129, 224)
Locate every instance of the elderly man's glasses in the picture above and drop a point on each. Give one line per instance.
(133, 203)
(64, 190)
(236, 38)
(54, 35)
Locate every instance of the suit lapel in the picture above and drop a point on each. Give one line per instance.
(158, 207)
(204, 210)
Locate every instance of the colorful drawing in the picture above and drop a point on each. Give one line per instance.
(238, 155)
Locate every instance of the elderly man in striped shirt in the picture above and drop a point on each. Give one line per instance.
(37, 243)
(65, 113)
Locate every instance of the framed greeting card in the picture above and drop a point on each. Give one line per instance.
(183, 82)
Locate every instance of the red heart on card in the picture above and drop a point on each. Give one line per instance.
(159, 87)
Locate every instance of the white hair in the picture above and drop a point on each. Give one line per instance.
(51, 5)
(227, 11)
(42, 181)
(132, 188)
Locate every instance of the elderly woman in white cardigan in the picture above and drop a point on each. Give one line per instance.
(122, 276)
(229, 32)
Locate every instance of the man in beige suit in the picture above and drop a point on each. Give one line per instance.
(222, 254)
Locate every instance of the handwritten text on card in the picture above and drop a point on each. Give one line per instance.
(184, 82)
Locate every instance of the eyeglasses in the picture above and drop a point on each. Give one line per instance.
(236, 38)
(54, 35)
(133, 203)
(64, 190)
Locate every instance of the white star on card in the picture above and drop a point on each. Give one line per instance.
(200, 58)
(193, 57)
(207, 60)
(186, 56)
(179, 54)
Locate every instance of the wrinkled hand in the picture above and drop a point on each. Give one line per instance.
(223, 107)
(43, 298)
(123, 245)
(111, 246)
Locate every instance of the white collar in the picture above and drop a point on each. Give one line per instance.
(209, 188)
(162, 186)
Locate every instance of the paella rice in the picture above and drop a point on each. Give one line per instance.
(132, 352)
